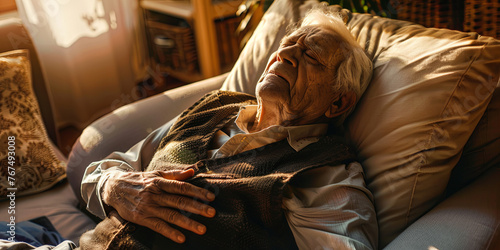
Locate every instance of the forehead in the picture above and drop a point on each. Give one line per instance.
(316, 31)
(323, 40)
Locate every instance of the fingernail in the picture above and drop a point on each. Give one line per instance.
(180, 238)
(211, 211)
(186, 170)
(210, 196)
(201, 229)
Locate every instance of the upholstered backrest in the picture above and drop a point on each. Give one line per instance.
(429, 90)
(481, 152)
(14, 36)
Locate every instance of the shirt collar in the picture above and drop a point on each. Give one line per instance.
(298, 136)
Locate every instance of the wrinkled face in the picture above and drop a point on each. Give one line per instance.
(299, 77)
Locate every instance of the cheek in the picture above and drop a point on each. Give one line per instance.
(307, 100)
(304, 91)
(314, 78)
(317, 98)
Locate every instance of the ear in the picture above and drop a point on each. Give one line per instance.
(341, 105)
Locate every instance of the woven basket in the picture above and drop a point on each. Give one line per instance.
(176, 47)
(483, 17)
(432, 13)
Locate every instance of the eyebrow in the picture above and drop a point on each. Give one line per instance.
(312, 42)
(289, 37)
(318, 47)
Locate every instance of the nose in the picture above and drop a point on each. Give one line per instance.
(288, 55)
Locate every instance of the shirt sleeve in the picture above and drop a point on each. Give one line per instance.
(331, 208)
(136, 158)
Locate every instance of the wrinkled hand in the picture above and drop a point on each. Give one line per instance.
(152, 199)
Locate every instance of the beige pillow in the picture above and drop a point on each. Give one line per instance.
(26, 154)
(429, 90)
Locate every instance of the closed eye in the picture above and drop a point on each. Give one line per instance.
(287, 44)
(311, 56)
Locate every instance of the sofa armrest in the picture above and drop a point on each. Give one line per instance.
(469, 219)
(124, 127)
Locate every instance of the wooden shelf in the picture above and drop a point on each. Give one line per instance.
(201, 15)
(185, 9)
(7, 5)
(181, 9)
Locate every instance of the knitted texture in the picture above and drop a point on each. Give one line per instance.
(248, 186)
(187, 140)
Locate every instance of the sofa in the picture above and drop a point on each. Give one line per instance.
(426, 130)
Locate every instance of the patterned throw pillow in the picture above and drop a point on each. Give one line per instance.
(28, 163)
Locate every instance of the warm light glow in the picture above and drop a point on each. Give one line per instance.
(432, 248)
(30, 12)
(78, 19)
(112, 19)
(70, 20)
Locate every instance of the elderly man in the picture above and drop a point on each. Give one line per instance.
(238, 172)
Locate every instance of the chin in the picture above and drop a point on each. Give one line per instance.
(272, 91)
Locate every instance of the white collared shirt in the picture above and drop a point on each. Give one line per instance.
(298, 137)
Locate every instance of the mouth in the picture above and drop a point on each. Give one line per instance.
(278, 75)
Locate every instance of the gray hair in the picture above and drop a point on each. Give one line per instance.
(354, 73)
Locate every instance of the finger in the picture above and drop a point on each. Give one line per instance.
(186, 204)
(179, 175)
(176, 218)
(184, 188)
(164, 229)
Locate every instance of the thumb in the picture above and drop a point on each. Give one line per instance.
(179, 175)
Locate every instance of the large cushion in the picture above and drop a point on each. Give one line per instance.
(15, 36)
(429, 90)
(26, 154)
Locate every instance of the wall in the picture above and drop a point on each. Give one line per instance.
(91, 53)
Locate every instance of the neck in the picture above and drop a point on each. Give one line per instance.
(265, 118)
(269, 115)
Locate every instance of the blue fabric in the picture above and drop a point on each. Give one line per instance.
(36, 232)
